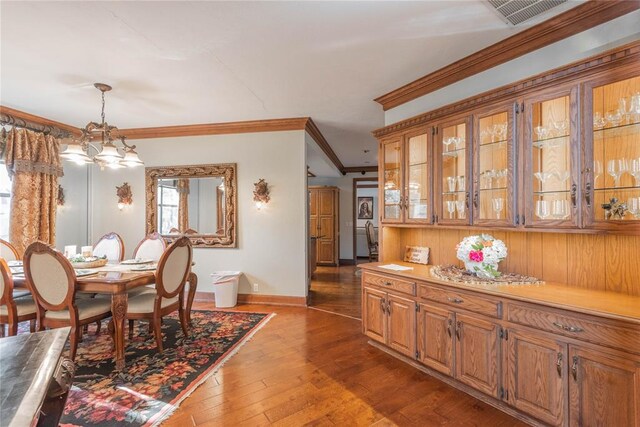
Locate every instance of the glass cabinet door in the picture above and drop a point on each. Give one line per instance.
(417, 179)
(493, 199)
(551, 162)
(612, 189)
(392, 190)
(454, 172)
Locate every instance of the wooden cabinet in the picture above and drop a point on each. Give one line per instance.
(390, 319)
(604, 389)
(477, 353)
(435, 338)
(324, 223)
(536, 372)
(406, 172)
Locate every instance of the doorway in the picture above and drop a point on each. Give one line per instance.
(365, 208)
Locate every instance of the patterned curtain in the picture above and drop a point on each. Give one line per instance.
(183, 204)
(33, 164)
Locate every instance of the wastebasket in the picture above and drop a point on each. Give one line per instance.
(225, 286)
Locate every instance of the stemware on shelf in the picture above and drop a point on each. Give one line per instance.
(560, 127)
(451, 207)
(562, 175)
(597, 170)
(633, 206)
(460, 207)
(460, 181)
(559, 209)
(614, 117)
(542, 209)
(616, 168)
(459, 142)
(451, 183)
(542, 132)
(498, 205)
(635, 170)
(447, 142)
(598, 121)
(543, 176)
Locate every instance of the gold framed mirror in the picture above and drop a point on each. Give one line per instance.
(198, 201)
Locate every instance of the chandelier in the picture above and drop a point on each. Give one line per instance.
(97, 136)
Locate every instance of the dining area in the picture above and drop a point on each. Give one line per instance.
(51, 289)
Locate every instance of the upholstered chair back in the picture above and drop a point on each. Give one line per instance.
(174, 267)
(111, 246)
(50, 276)
(151, 247)
(7, 251)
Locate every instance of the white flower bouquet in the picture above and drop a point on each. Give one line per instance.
(481, 255)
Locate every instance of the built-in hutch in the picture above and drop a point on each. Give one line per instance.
(551, 166)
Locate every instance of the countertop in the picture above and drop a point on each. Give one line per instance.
(605, 304)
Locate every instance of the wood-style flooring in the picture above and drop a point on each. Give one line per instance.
(337, 290)
(309, 367)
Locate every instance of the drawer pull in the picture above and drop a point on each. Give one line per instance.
(574, 368)
(567, 327)
(559, 364)
(388, 283)
(455, 300)
(458, 329)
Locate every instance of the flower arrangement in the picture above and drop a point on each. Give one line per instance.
(481, 255)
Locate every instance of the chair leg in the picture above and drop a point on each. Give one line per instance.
(98, 326)
(13, 329)
(157, 331)
(75, 337)
(32, 325)
(183, 320)
(1, 330)
(150, 327)
(130, 329)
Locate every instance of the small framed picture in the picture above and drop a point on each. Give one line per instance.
(365, 207)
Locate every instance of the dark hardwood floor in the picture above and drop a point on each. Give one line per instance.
(337, 290)
(309, 367)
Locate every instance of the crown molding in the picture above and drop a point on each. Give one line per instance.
(566, 24)
(317, 136)
(628, 54)
(32, 119)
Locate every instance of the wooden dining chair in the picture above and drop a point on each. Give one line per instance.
(173, 269)
(13, 311)
(8, 251)
(52, 281)
(151, 247)
(111, 246)
(372, 241)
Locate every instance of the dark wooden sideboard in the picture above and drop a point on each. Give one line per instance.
(35, 378)
(547, 354)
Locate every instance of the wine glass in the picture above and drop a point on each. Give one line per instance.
(451, 183)
(633, 206)
(543, 176)
(614, 117)
(635, 170)
(616, 168)
(542, 132)
(634, 108)
(460, 181)
(598, 121)
(459, 142)
(447, 142)
(597, 170)
(542, 209)
(559, 209)
(625, 109)
(561, 127)
(460, 207)
(451, 207)
(562, 175)
(498, 205)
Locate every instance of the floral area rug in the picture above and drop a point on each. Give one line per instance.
(152, 385)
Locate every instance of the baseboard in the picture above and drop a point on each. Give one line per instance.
(272, 300)
(346, 262)
(257, 299)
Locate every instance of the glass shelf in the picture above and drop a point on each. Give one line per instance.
(417, 164)
(606, 129)
(617, 188)
(551, 192)
(554, 141)
(454, 192)
(493, 189)
(494, 143)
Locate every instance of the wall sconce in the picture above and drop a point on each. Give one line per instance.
(60, 199)
(125, 197)
(261, 193)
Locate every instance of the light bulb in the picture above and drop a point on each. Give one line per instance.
(120, 205)
(259, 205)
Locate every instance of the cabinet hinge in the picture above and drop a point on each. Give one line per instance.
(522, 107)
(517, 219)
(517, 108)
(417, 355)
(417, 307)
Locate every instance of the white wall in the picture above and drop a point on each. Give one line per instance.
(361, 237)
(345, 184)
(71, 219)
(271, 242)
(617, 32)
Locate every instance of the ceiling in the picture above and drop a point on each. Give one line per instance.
(177, 62)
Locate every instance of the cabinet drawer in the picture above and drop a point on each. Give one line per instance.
(475, 303)
(389, 283)
(585, 328)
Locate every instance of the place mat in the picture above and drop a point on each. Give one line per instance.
(451, 273)
(136, 261)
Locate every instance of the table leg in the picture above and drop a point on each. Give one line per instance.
(193, 285)
(119, 311)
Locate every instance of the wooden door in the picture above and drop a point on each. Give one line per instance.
(604, 389)
(477, 354)
(435, 338)
(536, 374)
(494, 183)
(551, 159)
(417, 202)
(401, 325)
(323, 223)
(454, 171)
(374, 315)
(392, 196)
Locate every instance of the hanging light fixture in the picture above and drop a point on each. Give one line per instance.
(107, 153)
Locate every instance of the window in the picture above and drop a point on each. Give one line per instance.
(5, 202)
(167, 206)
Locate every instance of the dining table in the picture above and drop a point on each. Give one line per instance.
(117, 280)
